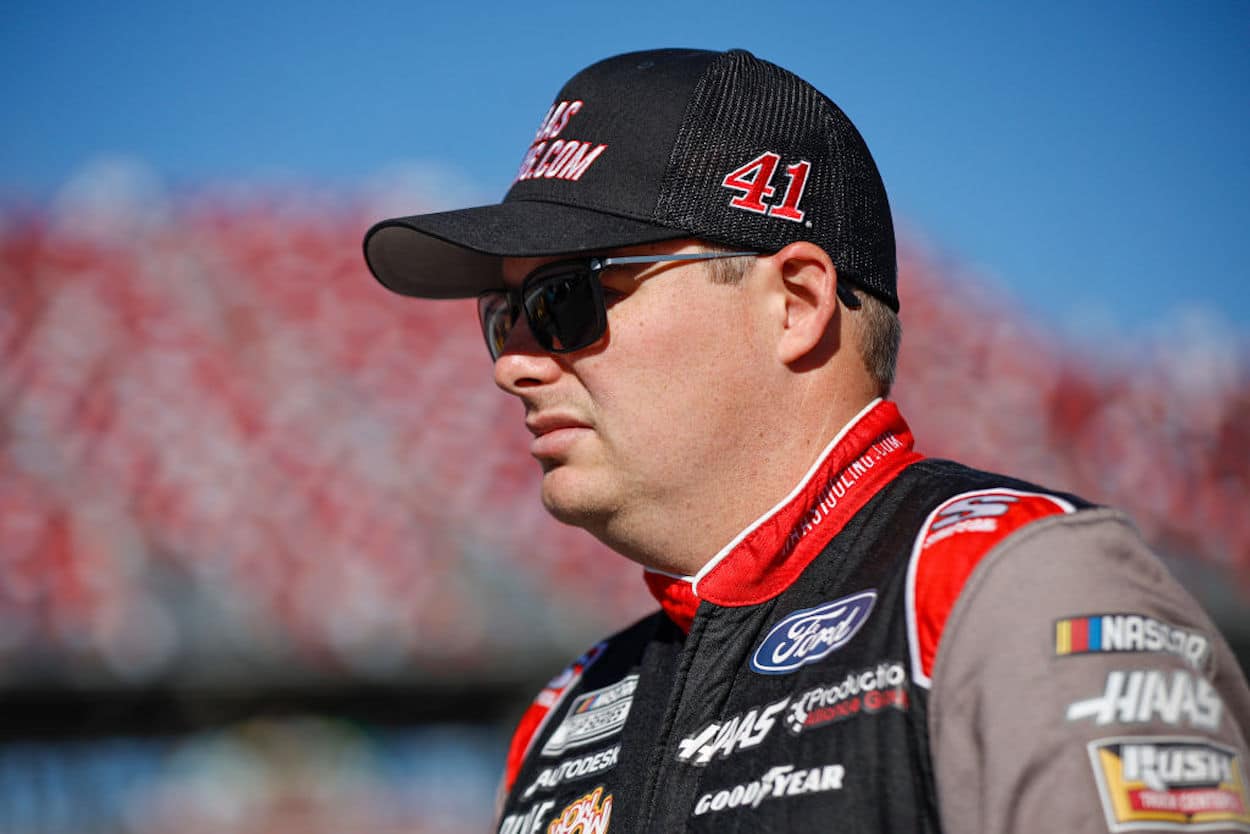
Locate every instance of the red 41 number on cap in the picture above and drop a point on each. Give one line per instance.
(753, 180)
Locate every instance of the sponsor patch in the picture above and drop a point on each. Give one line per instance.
(535, 718)
(562, 159)
(721, 738)
(593, 716)
(955, 537)
(589, 814)
(859, 693)
(840, 487)
(574, 769)
(982, 512)
(1130, 633)
(1174, 783)
(777, 782)
(812, 634)
(528, 821)
(1144, 695)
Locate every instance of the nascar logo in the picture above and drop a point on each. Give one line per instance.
(1130, 633)
(593, 716)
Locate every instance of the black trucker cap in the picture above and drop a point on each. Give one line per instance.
(660, 145)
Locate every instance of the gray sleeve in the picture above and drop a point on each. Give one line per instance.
(1078, 688)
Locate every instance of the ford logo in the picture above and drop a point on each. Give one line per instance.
(812, 634)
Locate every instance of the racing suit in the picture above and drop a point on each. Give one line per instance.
(901, 645)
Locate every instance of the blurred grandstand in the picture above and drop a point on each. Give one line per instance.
(240, 483)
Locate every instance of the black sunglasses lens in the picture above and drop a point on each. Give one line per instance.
(497, 316)
(564, 310)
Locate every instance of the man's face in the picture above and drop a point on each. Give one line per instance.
(637, 426)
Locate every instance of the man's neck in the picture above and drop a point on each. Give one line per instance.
(680, 534)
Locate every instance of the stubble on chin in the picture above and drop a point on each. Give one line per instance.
(571, 502)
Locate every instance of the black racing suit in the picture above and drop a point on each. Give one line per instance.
(901, 645)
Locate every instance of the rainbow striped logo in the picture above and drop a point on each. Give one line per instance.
(1130, 633)
(1078, 635)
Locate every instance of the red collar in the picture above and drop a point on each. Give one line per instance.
(768, 556)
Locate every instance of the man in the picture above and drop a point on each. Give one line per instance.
(691, 289)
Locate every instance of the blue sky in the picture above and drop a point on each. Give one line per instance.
(1093, 157)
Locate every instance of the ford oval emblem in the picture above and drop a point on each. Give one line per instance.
(812, 634)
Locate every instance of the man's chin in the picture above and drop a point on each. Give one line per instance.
(575, 514)
(570, 502)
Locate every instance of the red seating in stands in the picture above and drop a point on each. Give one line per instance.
(220, 438)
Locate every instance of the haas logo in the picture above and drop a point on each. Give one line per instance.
(561, 159)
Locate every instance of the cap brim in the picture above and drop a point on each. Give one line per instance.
(456, 254)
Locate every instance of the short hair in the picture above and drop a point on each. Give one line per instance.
(880, 331)
(881, 334)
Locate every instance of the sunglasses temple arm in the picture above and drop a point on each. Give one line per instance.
(684, 256)
(845, 294)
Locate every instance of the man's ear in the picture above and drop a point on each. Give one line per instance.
(809, 284)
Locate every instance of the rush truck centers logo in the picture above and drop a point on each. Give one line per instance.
(1180, 783)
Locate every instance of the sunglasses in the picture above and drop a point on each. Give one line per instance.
(563, 301)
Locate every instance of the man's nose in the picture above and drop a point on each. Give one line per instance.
(524, 363)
